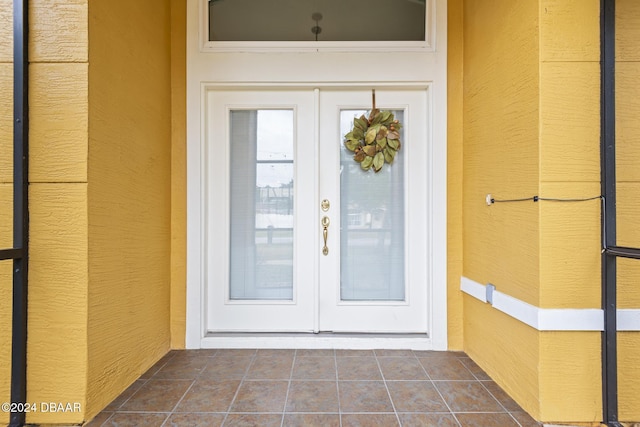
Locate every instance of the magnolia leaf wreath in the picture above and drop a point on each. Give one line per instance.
(374, 140)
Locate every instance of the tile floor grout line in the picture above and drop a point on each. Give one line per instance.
(440, 394)
(384, 381)
(426, 372)
(494, 398)
(337, 377)
(235, 395)
(468, 370)
(500, 403)
(286, 397)
(108, 418)
(144, 381)
(446, 403)
(338, 389)
(193, 382)
(473, 373)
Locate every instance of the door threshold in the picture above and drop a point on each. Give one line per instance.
(323, 340)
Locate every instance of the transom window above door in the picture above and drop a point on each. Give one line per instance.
(317, 24)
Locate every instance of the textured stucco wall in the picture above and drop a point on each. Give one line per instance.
(628, 177)
(532, 126)
(5, 329)
(57, 348)
(58, 187)
(100, 193)
(455, 46)
(570, 372)
(570, 153)
(129, 193)
(178, 173)
(500, 156)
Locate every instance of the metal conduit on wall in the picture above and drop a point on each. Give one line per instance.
(608, 183)
(20, 253)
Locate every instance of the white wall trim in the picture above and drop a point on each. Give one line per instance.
(475, 289)
(628, 320)
(549, 319)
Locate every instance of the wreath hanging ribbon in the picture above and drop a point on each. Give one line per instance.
(374, 140)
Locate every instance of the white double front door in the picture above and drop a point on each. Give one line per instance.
(279, 182)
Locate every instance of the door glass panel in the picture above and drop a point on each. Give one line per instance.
(317, 20)
(261, 205)
(372, 225)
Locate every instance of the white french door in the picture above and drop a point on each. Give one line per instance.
(374, 277)
(272, 158)
(260, 236)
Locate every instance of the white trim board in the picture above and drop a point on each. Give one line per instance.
(549, 319)
(322, 341)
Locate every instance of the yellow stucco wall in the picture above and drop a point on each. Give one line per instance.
(57, 346)
(546, 254)
(178, 173)
(570, 153)
(100, 207)
(507, 350)
(501, 113)
(455, 45)
(58, 190)
(628, 177)
(129, 193)
(5, 328)
(501, 242)
(570, 372)
(570, 243)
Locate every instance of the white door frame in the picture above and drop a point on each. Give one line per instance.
(207, 71)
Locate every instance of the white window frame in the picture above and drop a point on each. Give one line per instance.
(318, 46)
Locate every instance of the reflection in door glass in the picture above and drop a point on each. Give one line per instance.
(261, 264)
(372, 225)
(317, 20)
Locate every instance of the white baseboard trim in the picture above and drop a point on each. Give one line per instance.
(321, 341)
(549, 319)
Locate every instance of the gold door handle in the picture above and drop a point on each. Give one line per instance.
(325, 234)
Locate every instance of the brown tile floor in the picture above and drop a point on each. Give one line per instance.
(314, 388)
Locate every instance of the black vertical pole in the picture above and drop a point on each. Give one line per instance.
(20, 208)
(608, 183)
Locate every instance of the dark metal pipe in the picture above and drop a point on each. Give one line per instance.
(20, 207)
(608, 183)
(620, 251)
(10, 254)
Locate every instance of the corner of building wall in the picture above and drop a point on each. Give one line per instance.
(506, 349)
(570, 376)
(129, 167)
(58, 293)
(454, 173)
(178, 173)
